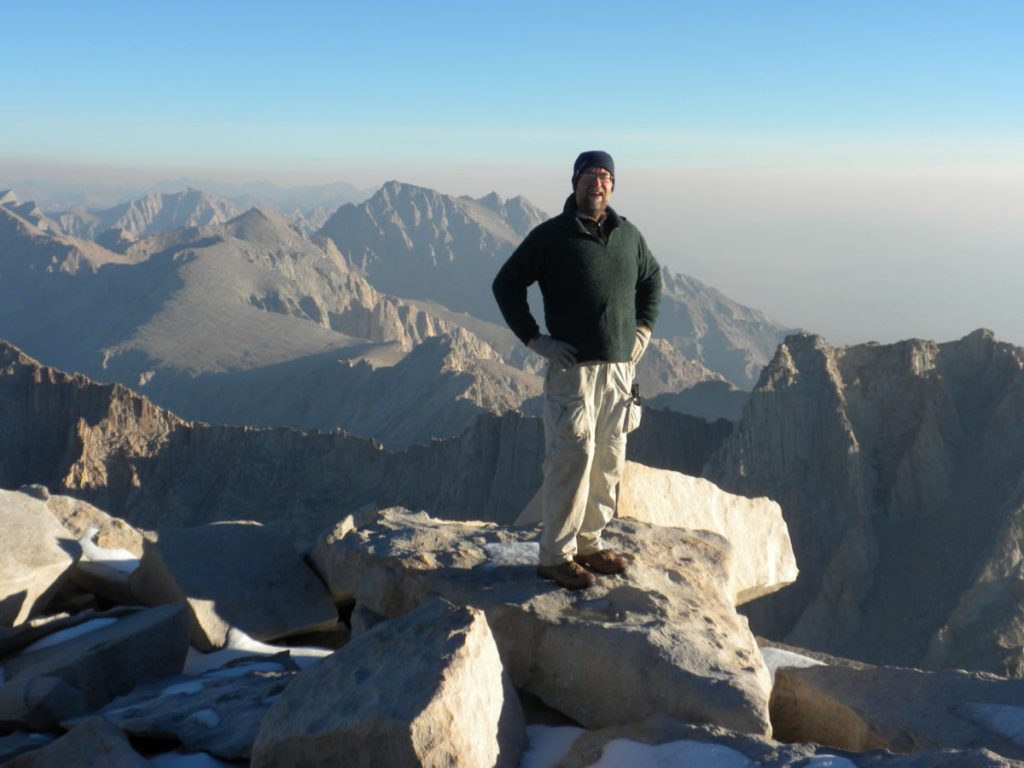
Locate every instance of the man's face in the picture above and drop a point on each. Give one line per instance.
(593, 191)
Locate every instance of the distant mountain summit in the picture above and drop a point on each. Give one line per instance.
(153, 213)
(417, 243)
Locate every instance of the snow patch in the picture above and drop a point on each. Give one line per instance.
(243, 669)
(513, 553)
(70, 633)
(240, 645)
(624, 753)
(774, 658)
(184, 689)
(206, 717)
(829, 761)
(120, 560)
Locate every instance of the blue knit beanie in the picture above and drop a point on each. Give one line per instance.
(594, 158)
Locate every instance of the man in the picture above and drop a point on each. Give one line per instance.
(601, 288)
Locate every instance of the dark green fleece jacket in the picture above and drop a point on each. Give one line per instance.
(595, 294)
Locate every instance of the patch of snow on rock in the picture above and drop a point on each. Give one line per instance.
(241, 645)
(186, 689)
(70, 633)
(206, 717)
(624, 753)
(120, 560)
(774, 658)
(514, 553)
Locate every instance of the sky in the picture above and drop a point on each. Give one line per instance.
(852, 168)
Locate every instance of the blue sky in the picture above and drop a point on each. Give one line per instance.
(262, 86)
(467, 97)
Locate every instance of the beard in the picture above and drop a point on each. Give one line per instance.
(593, 206)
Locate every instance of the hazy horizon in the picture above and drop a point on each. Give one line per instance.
(854, 169)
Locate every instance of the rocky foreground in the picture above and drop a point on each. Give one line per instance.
(421, 641)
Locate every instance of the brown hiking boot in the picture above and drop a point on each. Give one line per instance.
(568, 575)
(604, 561)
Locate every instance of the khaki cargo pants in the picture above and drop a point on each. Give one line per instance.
(585, 452)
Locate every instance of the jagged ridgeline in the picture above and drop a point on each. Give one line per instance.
(382, 324)
(900, 471)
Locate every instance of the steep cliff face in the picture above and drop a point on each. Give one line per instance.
(117, 450)
(895, 467)
(114, 448)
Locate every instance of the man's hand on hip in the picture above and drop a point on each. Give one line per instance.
(643, 338)
(558, 352)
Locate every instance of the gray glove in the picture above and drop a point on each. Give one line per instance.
(558, 352)
(643, 338)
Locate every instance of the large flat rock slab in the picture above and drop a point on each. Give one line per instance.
(218, 712)
(36, 553)
(664, 637)
(426, 689)
(764, 560)
(95, 743)
(113, 658)
(235, 574)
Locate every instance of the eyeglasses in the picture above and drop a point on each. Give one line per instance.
(603, 176)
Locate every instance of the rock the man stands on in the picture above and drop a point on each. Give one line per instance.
(601, 288)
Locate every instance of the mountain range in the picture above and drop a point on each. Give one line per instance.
(243, 318)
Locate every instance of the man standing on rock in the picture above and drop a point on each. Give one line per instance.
(601, 288)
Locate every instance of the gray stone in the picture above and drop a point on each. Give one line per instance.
(218, 712)
(146, 645)
(234, 575)
(36, 552)
(19, 742)
(38, 703)
(663, 637)
(426, 689)
(860, 707)
(363, 620)
(13, 639)
(96, 743)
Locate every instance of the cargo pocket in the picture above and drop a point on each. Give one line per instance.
(624, 378)
(566, 419)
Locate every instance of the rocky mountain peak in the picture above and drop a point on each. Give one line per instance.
(887, 459)
(259, 226)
